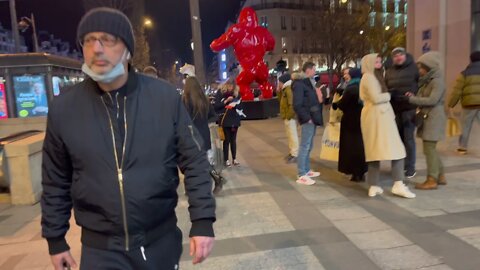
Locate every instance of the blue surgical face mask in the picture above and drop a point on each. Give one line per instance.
(117, 71)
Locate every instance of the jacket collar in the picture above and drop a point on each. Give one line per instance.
(126, 90)
(287, 84)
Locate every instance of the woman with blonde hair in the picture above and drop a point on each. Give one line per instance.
(381, 138)
(227, 105)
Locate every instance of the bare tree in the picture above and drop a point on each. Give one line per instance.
(339, 33)
(383, 39)
(141, 58)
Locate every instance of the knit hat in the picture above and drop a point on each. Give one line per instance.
(398, 50)
(431, 60)
(110, 21)
(285, 78)
(355, 73)
(475, 57)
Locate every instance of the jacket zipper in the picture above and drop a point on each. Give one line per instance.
(120, 165)
(194, 139)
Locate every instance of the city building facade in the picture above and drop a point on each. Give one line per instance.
(450, 27)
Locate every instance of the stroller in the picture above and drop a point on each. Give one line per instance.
(215, 158)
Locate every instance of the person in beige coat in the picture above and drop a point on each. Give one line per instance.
(380, 134)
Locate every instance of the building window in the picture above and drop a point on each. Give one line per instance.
(332, 5)
(264, 21)
(284, 23)
(263, 3)
(294, 23)
(385, 18)
(304, 45)
(397, 20)
(224, 57)
(284, 42)
(224, 75)
(304, 23)
(350, 7)
(372, 19)
(384, 6)
(397, 6)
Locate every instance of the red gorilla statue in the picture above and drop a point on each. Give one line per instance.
(250, 42)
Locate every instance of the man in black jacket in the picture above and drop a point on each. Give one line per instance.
(112, 148)
(307, 103)
(401, 78)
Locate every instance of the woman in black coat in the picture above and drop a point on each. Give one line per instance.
(227, 102)
(351, 159)
(199, 108)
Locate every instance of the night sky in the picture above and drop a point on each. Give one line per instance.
(169, 39)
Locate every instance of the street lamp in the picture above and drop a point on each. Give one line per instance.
(344, 1)
(361, 32)
(24, 24)
(147, 22)
(387, 28)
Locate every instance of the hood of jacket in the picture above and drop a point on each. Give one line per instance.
(368, 63)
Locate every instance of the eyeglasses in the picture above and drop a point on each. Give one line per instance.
(105, 40)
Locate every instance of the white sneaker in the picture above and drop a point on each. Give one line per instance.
(228, 164)
(374, 191)
(401, 190)
(312, 174)
(305, 180)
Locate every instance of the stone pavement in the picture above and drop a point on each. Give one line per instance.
(267, 221)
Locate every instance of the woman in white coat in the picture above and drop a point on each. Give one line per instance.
(380, 134)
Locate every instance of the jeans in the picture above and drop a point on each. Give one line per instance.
(306, 146)
(373, 174)
(292, 136)
(406, 127)
(468, 116)
(434, 163)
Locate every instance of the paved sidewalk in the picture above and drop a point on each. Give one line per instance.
(267, 221)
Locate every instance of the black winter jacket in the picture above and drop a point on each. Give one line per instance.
(200, 122)
(129, 205)
(400, 80)
(305, 102)
(232, 119)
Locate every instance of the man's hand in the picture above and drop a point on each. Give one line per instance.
(61, 260)
(200, 248)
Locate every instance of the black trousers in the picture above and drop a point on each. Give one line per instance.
(163, 254)
(230, 142)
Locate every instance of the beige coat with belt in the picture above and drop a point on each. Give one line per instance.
(380, 133)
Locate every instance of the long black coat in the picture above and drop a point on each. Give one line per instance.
(352, 154)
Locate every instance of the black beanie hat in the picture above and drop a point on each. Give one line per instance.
(285, 78)
(475, 57)
(108, 20)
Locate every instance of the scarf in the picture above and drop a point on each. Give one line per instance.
(424, 80)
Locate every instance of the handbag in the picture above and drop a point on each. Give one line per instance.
(453, 127)
(420, 117)
(221, 133)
